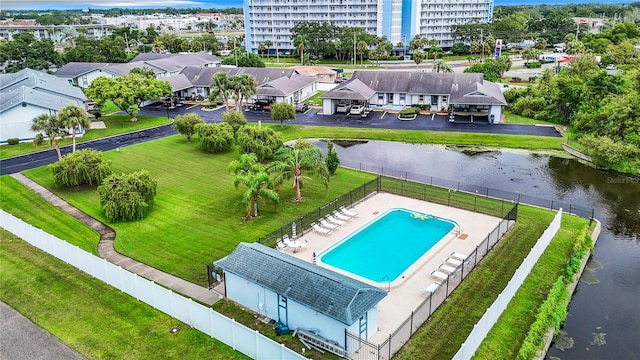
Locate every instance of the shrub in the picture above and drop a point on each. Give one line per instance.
(261, 141)
(83, 167)
(185, 124)
(215, 137)
(533, 65)
(516, 79)
(13, 141)
(409, 112)
(127, 196)
(606, 152)
(38, 139)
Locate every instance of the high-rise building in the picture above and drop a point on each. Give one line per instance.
(398, 20)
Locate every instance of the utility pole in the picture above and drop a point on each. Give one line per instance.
(577, 30)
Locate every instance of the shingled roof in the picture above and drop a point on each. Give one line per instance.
(201, 76)
(478, 94)
(352, 90)
(320, 289)
(415, 82)
(284, 85)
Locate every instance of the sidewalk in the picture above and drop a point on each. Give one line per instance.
(108, 252)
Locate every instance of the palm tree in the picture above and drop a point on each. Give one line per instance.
(291, 162)
(261, 49)
(541, 43)
(268, 44)
(418, 57)
(361, 46)
(400, 45)
(74, 117)
(242, 86)
(252, 174)
(221, 86)
(441, 65)
(50, 125)
(338, 46)
(475, 47)
(575, 47)
(300, 43)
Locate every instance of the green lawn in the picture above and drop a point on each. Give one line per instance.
(115, 125)
(290, 132)
(25, 204)
(196, 218)
(315, 99)
(109, 107)
(517, 119)
(447, 329)
(90, 316)
(507, 335)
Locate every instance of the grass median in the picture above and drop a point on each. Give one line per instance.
(196, 218)
(115, 124)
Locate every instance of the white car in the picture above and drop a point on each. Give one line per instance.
(356, 110)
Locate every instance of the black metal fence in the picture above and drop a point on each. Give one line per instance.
(457, 186)
(365, 350)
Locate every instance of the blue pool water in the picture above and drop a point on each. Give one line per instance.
(385, 248)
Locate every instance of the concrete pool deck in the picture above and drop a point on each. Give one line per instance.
(405, 294)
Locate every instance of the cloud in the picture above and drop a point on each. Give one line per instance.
(80, 4)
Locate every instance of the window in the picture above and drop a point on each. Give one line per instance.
(390, 96)
(445, 98)
(421, 99)
(403, 99)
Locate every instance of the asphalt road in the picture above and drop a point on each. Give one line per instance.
(375, 119)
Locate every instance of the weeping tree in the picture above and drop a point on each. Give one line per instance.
(289, 163)
(127, 197)
(252, 174)
(259, 140)
(84, 167)
(185, 124)
(215, 138)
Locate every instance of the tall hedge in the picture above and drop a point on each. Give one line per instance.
(127, 196)
(83, 167)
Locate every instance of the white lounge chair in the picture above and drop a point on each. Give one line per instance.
(347, 212)
(459, 256)
(280, 246)
(454, 262)
(431, 288)
(439, 276)
(320, 229)
(340, 216)
(333, 220)
(448, 268)
(324, 223)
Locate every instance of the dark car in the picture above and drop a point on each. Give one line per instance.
(302, 107)
(261, 106)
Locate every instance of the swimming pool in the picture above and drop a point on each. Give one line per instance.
(383, 249)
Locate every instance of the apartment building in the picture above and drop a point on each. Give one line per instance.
(398, 20)
(56, 33)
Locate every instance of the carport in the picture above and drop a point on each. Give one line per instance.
(353, 91)
(477, 101)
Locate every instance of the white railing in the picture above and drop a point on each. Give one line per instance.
(481, 329)
(237, 336)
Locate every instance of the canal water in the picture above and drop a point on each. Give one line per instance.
(604, 314)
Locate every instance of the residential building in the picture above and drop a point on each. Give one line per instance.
(300, 295)
(398, 20)
(27, 94)
(459, 95)
(322, 73)
(56, 33)
(163, 65)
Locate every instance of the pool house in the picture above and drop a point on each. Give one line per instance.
(299, 294)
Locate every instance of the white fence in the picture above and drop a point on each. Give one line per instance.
(237, 336)
(481, 329)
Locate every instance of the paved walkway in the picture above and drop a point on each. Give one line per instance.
(108, 252)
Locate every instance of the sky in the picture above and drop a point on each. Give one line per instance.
(94, 4)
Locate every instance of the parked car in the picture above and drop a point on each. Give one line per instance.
(302, 107)
(343, 108)
(261, 106)
(611, 67)
(356, 110)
